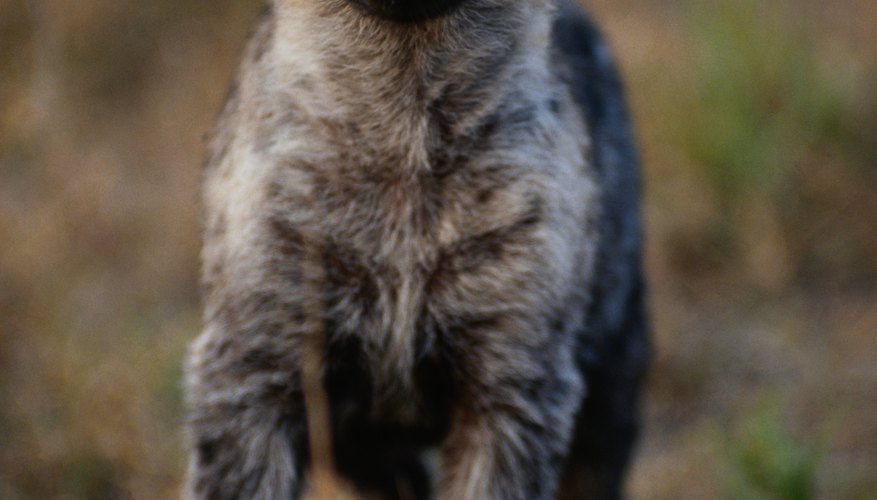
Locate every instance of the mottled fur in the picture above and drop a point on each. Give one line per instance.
(466, 186)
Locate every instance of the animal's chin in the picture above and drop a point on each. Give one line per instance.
(407, 11)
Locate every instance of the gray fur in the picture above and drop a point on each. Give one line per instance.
(443, 169)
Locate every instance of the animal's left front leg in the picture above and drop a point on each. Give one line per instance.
(512, 421)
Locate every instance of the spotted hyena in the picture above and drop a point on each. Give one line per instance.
(445, 191)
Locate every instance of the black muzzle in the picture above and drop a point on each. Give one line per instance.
(407, 11)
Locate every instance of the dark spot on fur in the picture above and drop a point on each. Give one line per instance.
(260, 359)
(274, 190)
(207, 449)
(522, 116)
(470, 253)
(487, 128)
(348, 281)
(534, 214)
(465, 325)
(481, 137)
(288, 240)
(222, 349)
(485, 195)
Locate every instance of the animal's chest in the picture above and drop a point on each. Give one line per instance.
(400, 252)
(410, 262)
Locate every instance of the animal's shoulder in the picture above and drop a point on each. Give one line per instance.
(588, 68)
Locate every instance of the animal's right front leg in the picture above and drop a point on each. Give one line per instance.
(246, 423)
(512, 421)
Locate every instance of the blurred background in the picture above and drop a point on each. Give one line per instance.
(758, 127)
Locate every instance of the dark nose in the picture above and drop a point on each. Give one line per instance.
(407, 11)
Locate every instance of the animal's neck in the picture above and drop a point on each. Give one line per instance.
(408, 89)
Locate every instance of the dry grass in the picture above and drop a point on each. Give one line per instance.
(758, 125)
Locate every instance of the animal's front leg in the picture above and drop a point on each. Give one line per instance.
(511, 427)
(246, 424)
